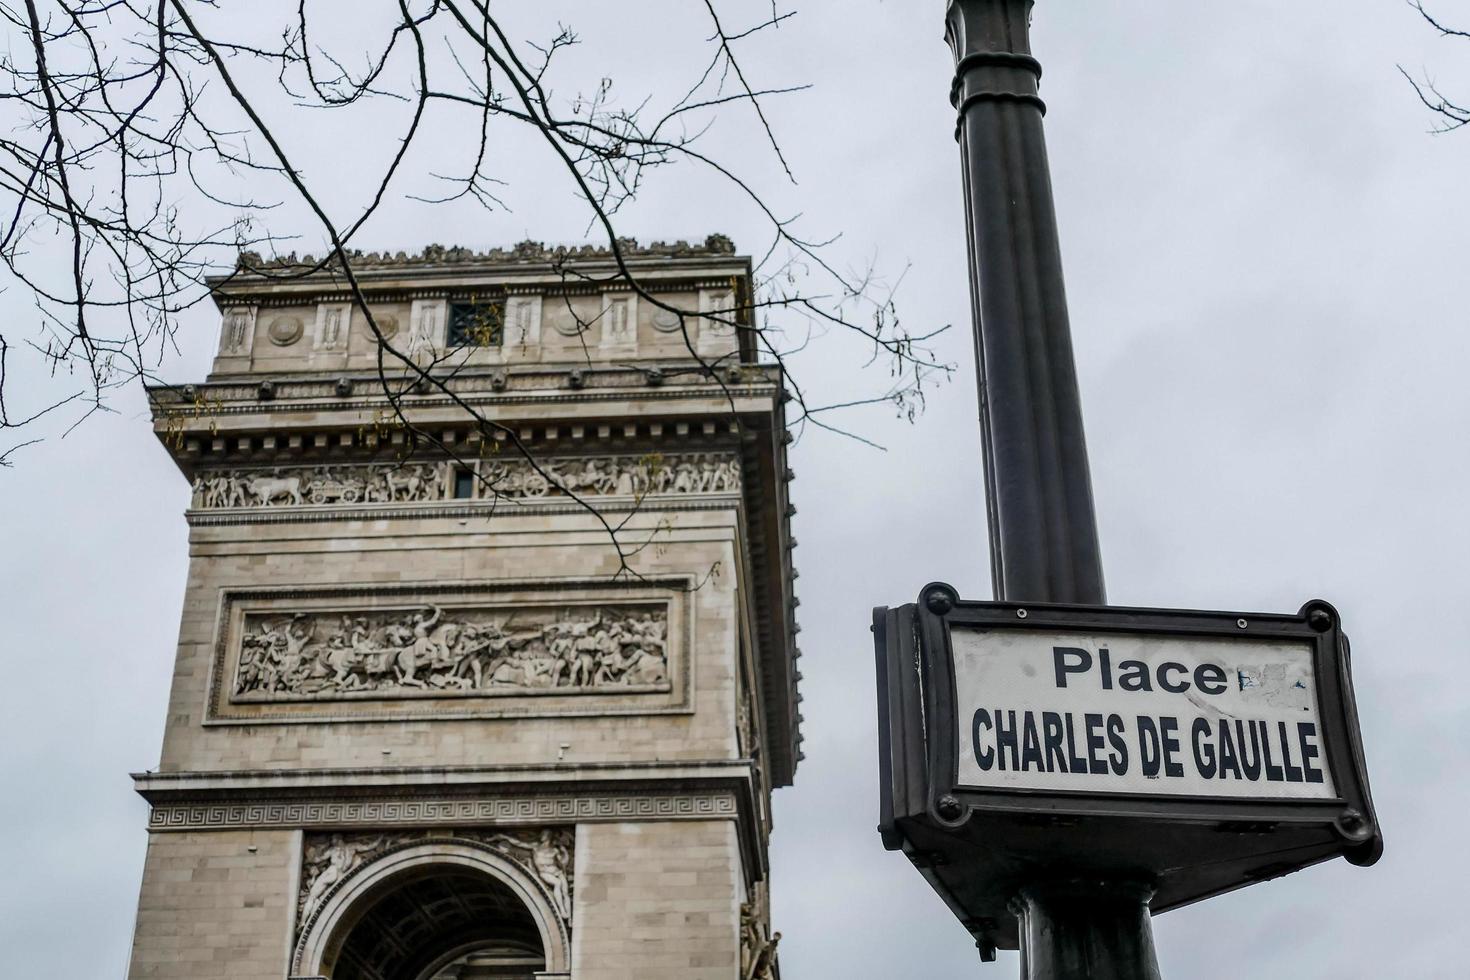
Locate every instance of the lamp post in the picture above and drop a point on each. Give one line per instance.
(1043, 535)
(1038, 491)
(1051, 805)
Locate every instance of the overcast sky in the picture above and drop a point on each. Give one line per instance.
(1266, 255)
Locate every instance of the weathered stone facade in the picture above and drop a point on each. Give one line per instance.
(485, 670)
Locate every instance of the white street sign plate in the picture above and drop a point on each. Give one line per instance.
(1144, 714)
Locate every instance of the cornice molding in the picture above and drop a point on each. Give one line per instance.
(192, 782)
(434, 256)
(724, 797)
(215, 398)
(429, 811)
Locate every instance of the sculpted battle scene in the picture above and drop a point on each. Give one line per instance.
(432, 651)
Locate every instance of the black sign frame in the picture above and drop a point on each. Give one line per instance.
(975, 843)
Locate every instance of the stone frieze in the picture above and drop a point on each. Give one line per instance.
(385, 483)
(433, 651)
(443, 811)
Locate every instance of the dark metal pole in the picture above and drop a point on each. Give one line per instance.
(1038, 491)
(1082, 928)
(1043, 536)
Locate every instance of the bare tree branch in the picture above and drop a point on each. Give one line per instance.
(1452, 115)
(142, 136)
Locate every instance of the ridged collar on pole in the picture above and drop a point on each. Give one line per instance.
(1043, 532)
(992, 50)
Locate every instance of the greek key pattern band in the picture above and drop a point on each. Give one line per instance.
(430, 812)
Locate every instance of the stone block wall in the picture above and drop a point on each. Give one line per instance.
(657, 901)
(216, 904)
(395, 556)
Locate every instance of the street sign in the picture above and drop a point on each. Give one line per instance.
(1137, 713)
(1194, 752)
(1051, 764)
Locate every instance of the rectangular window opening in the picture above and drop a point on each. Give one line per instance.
(477, 324)
(464, 484)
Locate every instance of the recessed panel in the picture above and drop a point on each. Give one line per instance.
(450, 651)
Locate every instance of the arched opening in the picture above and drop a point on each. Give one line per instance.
(436, 922)
(451, 908)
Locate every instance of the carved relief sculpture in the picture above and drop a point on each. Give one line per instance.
(319, 485)
(418, 482)
(239, 329)
(523, 321)
(764, 967)
(618, 475)
(549, 854)
(328, 859)
(285, 330)
(757, 950)
(332, 327)
(424, 328)
(744, 726)
(619, 326)
(667, 321)
(718, 325)
(433, 652)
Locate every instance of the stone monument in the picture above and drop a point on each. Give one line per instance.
(487, 662)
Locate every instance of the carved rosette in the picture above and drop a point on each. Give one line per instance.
(438, 652)
(285, 330)
(590, 476)
(387, 325)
